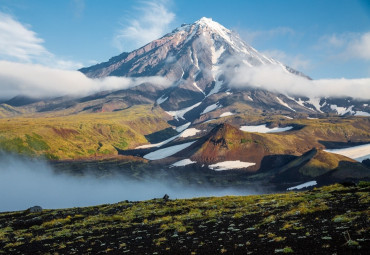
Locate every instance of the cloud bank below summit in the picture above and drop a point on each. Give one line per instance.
(40, 81)
(274, 78)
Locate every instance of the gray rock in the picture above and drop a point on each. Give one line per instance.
(34, 209)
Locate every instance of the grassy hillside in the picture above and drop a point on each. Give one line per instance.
(96, 135)
(332, 219)
(308, 132)
(227, 142)
(82, 135)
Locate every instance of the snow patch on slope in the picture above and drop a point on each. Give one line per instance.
(161, 99)
(361, 113)
(185, 133)
(216, 54)
(158, 144)
(264, 129)
(227, 165)
(227, 114)
(180, 113)
(216, 88)
(212, 107)
(183, 127)
(300, 102)
(198, 88)
(184, 162)
(342, 110)
(316, 102)
(303, 185)
(190, 132)
(284, 104)
(166, 152)
(358, 153)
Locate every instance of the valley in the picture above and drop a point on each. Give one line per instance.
(116, 143)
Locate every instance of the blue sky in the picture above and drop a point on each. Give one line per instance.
(324, 39)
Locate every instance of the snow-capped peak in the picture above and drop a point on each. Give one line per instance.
(208, 22)
(196, 57)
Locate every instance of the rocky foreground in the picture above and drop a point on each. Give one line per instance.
(330, 220)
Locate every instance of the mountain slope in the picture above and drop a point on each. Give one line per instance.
(192, 56)
(94, 135)
(197, 58)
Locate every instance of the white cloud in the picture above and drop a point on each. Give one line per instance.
(40, 81)
(65, 64)
(336, 41)
(151, 22)
(360, 47)
(274, 78)
(19, 43)
(347, 45)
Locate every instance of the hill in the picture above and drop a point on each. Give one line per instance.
(93, 135)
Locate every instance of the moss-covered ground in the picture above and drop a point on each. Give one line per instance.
(330, 220)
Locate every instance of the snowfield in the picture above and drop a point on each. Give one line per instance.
(184, 162)
(189, 132)
(361, 113)
(158, 144)
(166, 152)
(226, 114)
(227, 165)
(284, 104)
(264, 129)
(303, 185)
(161, 99)
(210, 108)
(183, 127)
(180, 113)
(358, 153)
(342, 110)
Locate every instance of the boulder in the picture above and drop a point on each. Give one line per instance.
(34, 209)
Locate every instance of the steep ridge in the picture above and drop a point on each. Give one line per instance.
(227, 143)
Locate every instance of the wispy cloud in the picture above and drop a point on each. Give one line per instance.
(280, 81)
(40, 81)
(346, 46)
(360, 47)
(151, 21)
(18, 42)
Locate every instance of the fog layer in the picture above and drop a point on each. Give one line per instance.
(26, 182)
